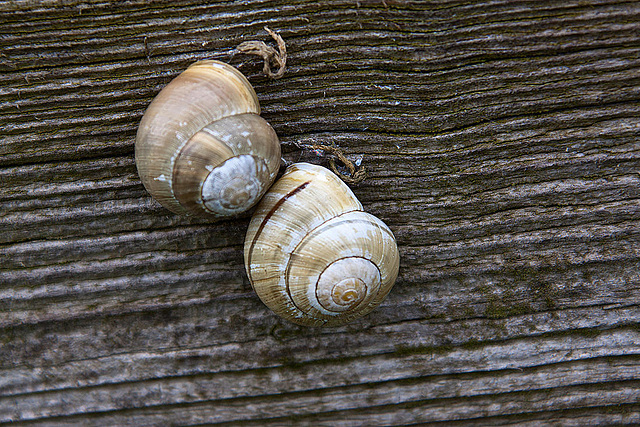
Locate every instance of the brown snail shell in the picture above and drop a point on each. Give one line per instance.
(202, 148)
(313, 256)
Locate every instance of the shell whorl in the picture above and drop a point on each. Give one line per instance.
(313, 256)
(202, 137)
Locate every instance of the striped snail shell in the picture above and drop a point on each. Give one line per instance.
(202, 148)
(313, 256)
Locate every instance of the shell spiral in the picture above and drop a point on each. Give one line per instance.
(313, 256)
(202, 148)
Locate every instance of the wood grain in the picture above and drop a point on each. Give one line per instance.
(501, 140)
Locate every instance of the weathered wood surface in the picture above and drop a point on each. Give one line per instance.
(502, 140)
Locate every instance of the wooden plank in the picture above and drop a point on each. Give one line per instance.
(501, 140)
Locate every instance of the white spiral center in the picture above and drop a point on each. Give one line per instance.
(347, 283)
(235, 185)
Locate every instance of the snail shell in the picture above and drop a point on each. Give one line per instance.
(202, 148)
(313, 256)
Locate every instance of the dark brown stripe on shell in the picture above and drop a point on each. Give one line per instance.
(266, 218)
